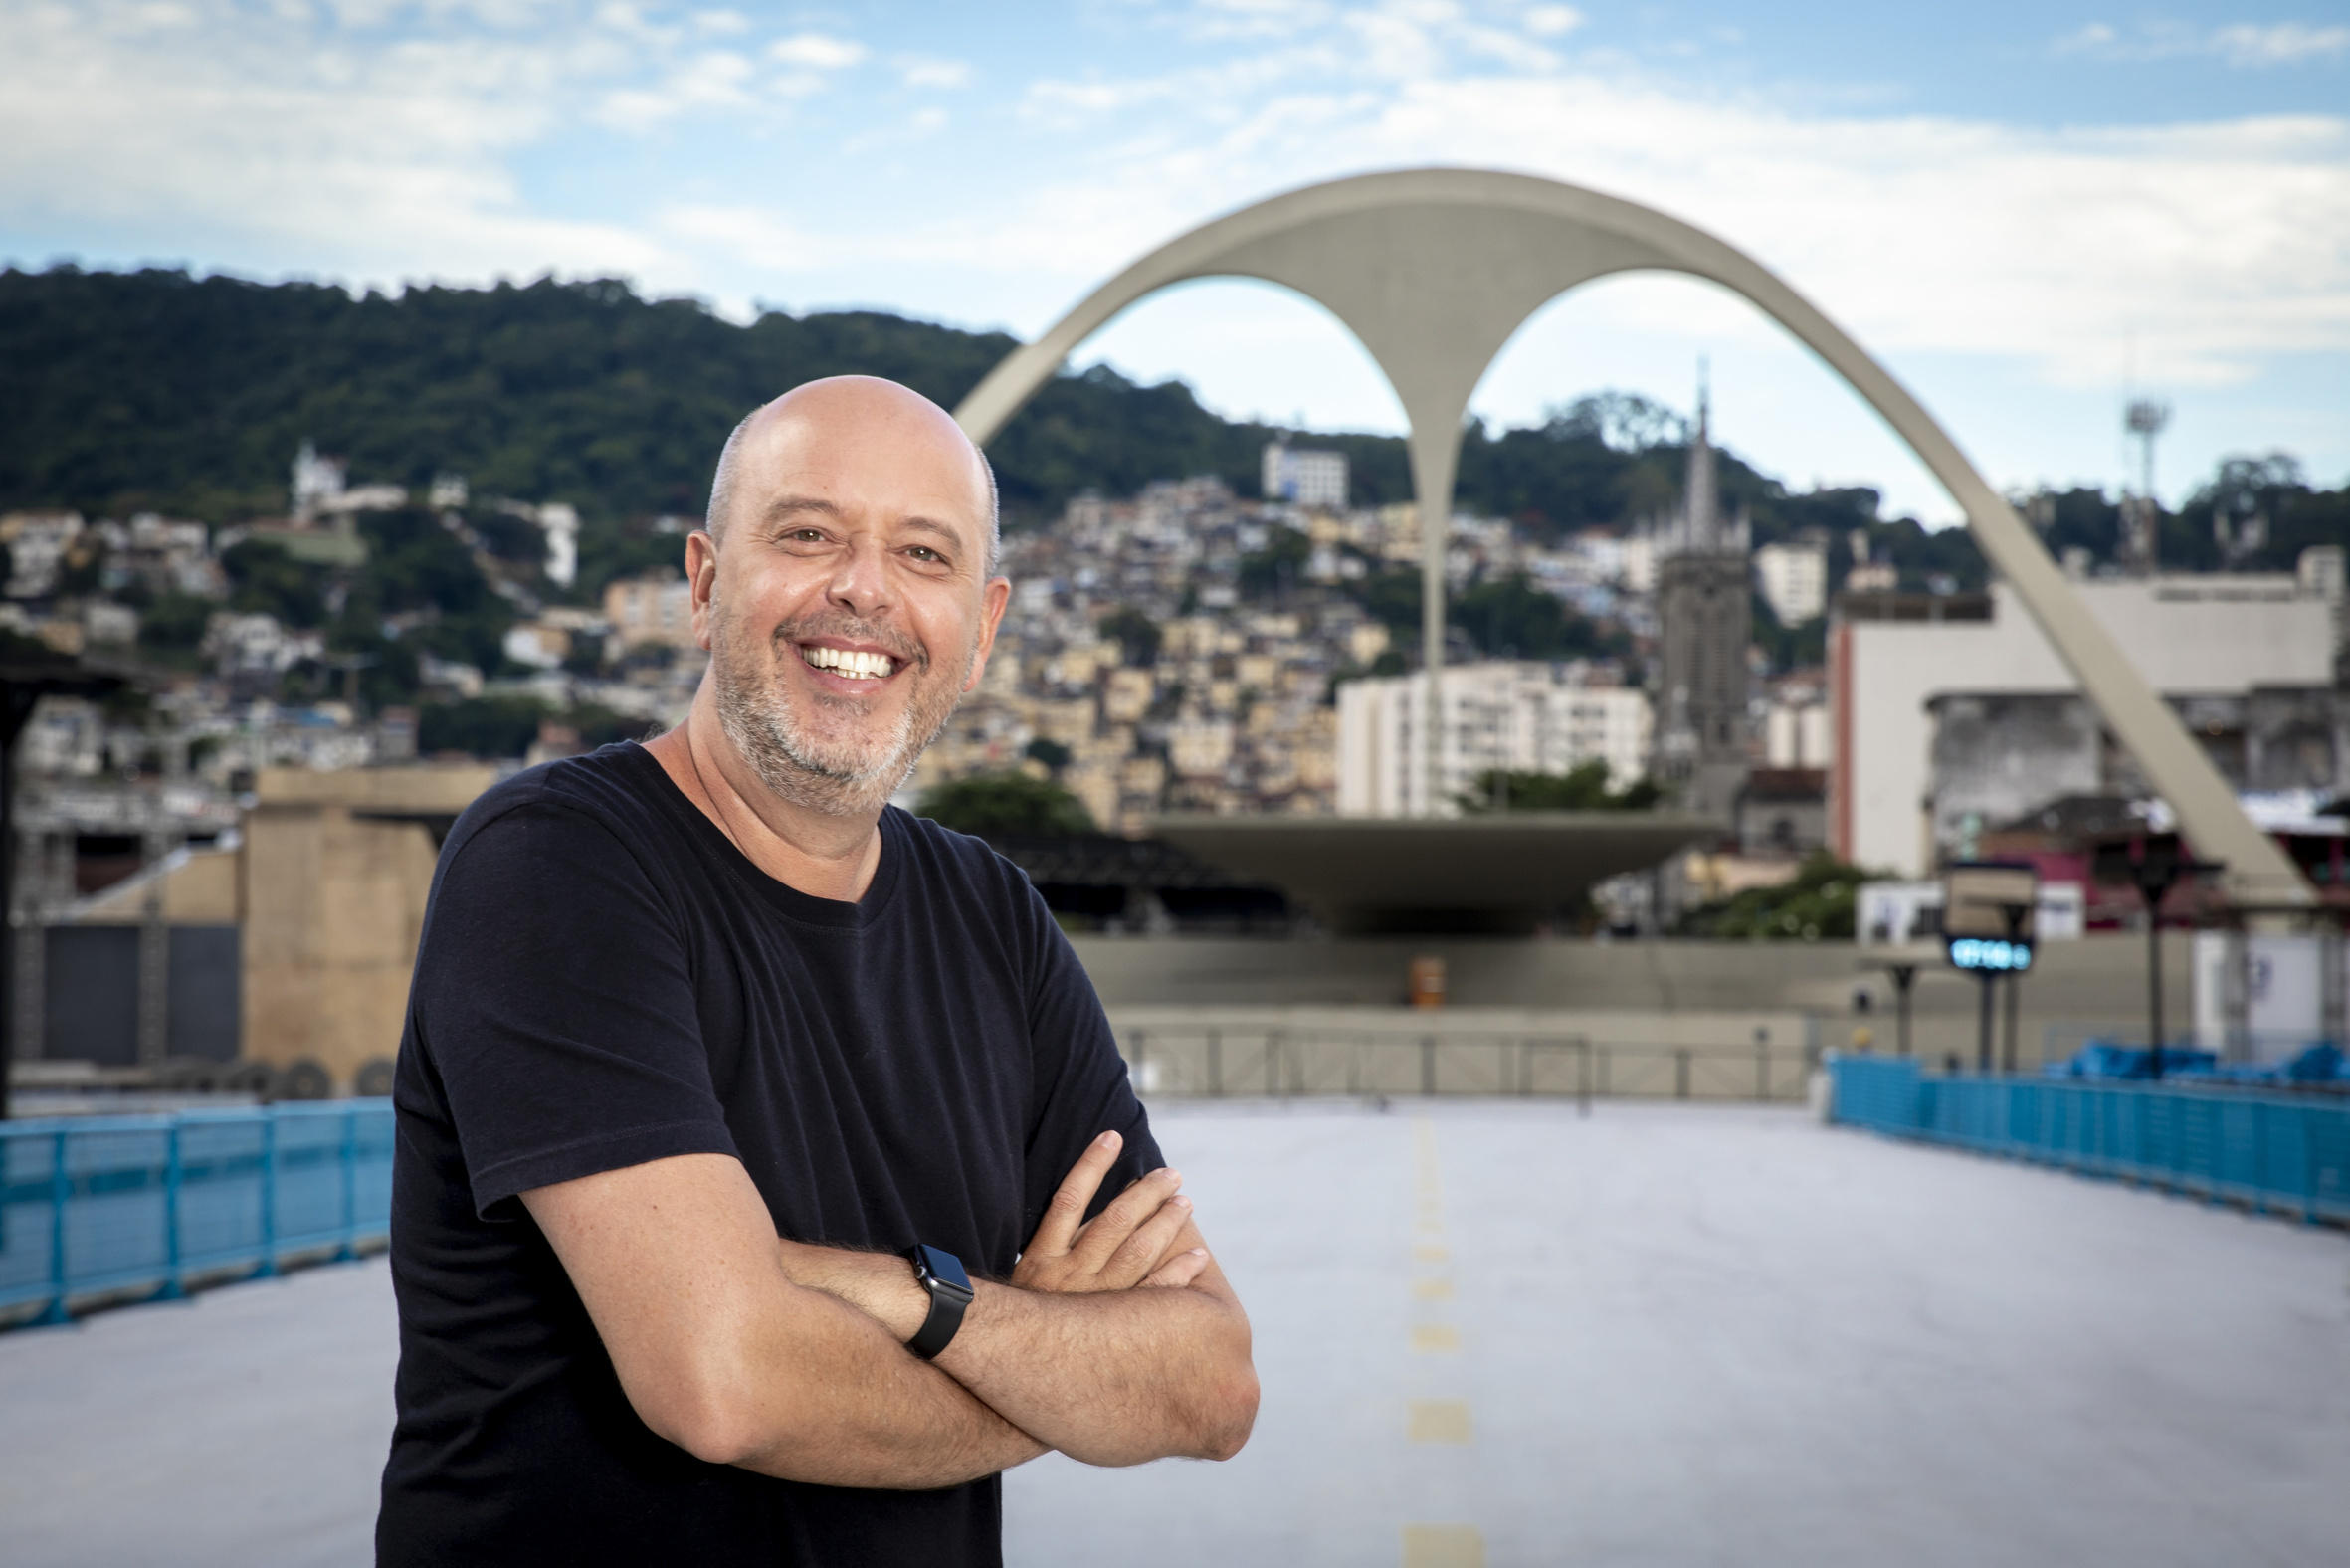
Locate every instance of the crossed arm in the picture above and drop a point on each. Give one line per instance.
(1117, 1341)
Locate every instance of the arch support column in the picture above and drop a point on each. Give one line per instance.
(1433, 270)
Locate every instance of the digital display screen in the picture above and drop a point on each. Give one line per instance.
(1992, 953)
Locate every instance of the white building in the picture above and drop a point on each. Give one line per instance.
(560, 521)
(316, 485)
(1889, 657)
(1305, 478)
(1794, 579)
(1796, 732)
(1520, 716)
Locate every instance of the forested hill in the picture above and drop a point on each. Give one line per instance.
(154, 389)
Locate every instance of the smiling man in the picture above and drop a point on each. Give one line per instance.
(758, 1141)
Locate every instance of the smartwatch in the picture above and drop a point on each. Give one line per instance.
(940, 1273)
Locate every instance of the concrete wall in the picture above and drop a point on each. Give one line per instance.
(1661, 993)
(334, 900)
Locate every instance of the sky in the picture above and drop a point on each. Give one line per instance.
(2029, 213)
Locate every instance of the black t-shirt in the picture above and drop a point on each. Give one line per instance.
(604, 980)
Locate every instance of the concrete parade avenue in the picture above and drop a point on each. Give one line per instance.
(1488, 1333)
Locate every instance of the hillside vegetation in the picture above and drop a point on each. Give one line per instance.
(155, 390)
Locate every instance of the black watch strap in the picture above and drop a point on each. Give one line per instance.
(940, 1273)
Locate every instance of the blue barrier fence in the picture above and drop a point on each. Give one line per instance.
(2283, 1151)
(96, 1209)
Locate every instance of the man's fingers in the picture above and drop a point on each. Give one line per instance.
(1107, 1231)
(1146, 1249)
(1067, 1211)
(1180, 1269)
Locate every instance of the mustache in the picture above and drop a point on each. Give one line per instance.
(850, 628)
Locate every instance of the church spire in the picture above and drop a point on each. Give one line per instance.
(1703, 527)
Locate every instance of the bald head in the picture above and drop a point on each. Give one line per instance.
(896, 423)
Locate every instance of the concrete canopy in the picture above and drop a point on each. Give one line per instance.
(1433, 270)
(1496, 875)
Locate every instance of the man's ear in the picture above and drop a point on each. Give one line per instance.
(701, 576)
(993, 598)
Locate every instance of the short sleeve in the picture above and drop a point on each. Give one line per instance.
(1080, 1085)
(554, 1002)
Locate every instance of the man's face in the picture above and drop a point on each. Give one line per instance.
(846, 606)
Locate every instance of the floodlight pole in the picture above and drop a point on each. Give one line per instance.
(2015, 914)
(2156, 875)
(1988, 981)
(1903, 976)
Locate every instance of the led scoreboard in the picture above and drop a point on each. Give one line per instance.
(1995, 954)
(1987, 916)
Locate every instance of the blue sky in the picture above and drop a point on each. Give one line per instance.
(2029, 212)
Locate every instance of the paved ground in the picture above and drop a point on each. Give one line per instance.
(1487, 1334)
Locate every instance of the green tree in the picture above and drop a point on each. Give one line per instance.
(1583, 787)
(1816, 906)
(993, 805)
(490, 728)
(264, 580)
(174, 623)
(1051, 753)
(1277, 568)
(1510, 617)
(1137, 634)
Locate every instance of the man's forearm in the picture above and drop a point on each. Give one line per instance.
(877, 1417)
(1109, 1377)
(1114, 1378)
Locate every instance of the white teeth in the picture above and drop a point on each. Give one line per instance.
(857, 665)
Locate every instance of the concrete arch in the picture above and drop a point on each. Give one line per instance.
(1433, 270)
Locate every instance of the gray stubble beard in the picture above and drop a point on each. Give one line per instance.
(791, 763)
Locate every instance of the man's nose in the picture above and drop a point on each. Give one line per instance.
(860, 583)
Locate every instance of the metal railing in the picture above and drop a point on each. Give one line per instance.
(2283, 1151)
(1220, 1061)
(95, 1209)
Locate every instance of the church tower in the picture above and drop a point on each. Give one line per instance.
(1704, 620)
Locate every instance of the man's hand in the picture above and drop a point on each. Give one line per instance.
(1130, 1243)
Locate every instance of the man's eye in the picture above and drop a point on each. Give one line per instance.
(923, 552)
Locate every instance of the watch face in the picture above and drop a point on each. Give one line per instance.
(946, 1269)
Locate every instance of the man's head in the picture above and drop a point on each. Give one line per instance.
(845, 587)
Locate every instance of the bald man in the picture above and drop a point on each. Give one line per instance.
(768, 1180)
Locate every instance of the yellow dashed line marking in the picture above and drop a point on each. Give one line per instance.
(1430, 1252)
(1435, 1338)
(1442, 1546)
(1432, 1290)
(1440, 1421)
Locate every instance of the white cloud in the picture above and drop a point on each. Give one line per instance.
(750, 234)
(2239, 44)
(283, 146)
(2208, 246)
(1552, 21)
(714, 79)
(276, 150)
(817, 51)
(1257, 19)
(916, 72)
(2284, 44)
